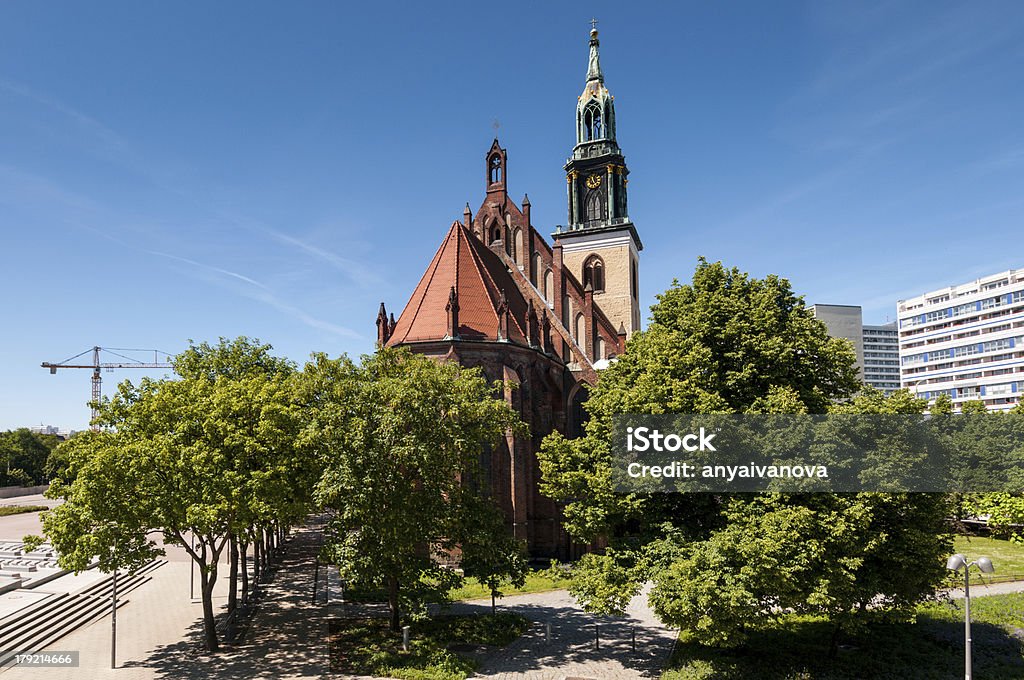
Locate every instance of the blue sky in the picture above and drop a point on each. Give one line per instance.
(194, 170)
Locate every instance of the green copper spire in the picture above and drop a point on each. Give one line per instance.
(595, 111)
(594, 65)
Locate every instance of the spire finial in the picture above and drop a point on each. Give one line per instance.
(594, 65)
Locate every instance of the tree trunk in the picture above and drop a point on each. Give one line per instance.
(264, 558)
(256, 564)
(233, 578)
(833, 650)
(393, 603)
(209, 626)
(243, 548)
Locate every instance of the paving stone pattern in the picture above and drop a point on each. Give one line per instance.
(159, 633)
(572, 651)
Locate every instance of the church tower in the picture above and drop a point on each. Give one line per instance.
(600, 244)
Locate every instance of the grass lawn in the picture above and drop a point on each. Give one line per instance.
(536, 582)
(440, 648)
(933, 647)
(19, 509)
(1007, 557)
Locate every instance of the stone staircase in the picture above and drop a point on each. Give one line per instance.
(45, 622)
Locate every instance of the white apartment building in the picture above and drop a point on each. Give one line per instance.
(966, 341)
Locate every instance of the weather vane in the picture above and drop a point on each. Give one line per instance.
(496, 124)
(593, 24)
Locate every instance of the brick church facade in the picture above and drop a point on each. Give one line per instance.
(542, 318)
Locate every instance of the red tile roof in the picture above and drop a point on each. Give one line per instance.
(479, 277)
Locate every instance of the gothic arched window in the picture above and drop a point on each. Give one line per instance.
(495, 232)
(595, 208)
(593, 273)
(495, 166)
(592, 122)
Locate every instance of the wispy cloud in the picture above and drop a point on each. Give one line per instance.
(102, 138)
(260, 292)
(355, 271)
(897, 71)
(211, 268)
(306, 318)
(872, 54)
(802, 189)
(18, 187)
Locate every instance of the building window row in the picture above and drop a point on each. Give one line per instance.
(963, 310)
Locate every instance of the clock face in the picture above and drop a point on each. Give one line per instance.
(594, 181)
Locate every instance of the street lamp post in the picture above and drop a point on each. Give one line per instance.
(113, 621)
(113, 599)
(984, 564)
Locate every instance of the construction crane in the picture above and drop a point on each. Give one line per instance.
(97, 365)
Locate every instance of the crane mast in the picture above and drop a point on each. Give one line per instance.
(97, 365)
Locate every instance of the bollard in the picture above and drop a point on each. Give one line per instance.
(634, 639)
(547, 633)
(597, 637)
(405, 638)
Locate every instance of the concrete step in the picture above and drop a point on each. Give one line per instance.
(44, 623)
(79, 612)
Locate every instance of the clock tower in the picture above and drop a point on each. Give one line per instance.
(600, 244)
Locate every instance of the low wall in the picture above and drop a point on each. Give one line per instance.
(12, 491)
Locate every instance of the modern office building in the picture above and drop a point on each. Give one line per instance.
(881, 366)
(843, 321)
(966, 341)
(875, 346)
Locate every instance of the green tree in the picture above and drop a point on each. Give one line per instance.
(730, 343)
(489, 553)
(23, 456)
(401, 437)
(727, 343)
(1003, 510)
(198, 459)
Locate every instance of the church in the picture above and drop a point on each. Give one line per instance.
(542, 318)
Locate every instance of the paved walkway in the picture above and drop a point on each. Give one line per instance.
(287, 639)
(160, 630)
(159, 610)
(978, 590)
(159, 633)
(572, 651)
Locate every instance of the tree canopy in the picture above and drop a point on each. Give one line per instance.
(400, 437)
(24, 457)
(731, 343)
(199, 459)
